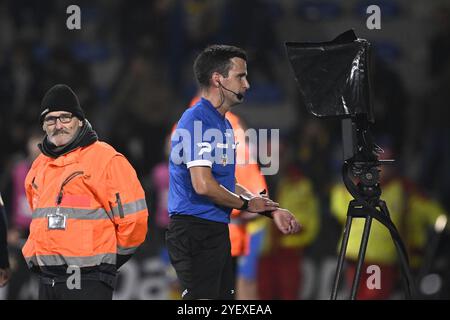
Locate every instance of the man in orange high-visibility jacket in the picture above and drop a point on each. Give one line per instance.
(89, 209)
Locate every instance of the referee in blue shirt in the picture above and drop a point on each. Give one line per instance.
(203, 188)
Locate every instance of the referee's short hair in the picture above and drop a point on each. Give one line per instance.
(215, 58)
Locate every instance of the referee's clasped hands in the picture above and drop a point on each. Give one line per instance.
(285, 221)
(283, 218)
(261, 204)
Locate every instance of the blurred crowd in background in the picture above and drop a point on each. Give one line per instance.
(131, 66)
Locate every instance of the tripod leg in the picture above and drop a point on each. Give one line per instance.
(407, 278)
(343, 250)
(361, 255)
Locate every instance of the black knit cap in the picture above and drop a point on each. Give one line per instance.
(61, 98)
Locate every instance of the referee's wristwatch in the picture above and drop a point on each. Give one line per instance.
(245, 205)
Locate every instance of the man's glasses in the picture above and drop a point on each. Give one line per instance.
(64, 118)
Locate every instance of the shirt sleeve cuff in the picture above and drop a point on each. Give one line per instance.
(199, 163)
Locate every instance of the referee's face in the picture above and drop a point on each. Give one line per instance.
(236, 80)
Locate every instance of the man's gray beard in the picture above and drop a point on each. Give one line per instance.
(68, 142)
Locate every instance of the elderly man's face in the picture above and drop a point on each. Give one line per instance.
(61, 127)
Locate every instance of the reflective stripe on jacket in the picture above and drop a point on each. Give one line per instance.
(102, 198)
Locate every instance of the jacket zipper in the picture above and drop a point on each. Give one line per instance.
(119, 206)
(66, 181)
(34, 185)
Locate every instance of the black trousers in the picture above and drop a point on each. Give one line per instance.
(200, 252)
(89, 290)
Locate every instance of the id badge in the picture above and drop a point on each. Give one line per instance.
(56, 221)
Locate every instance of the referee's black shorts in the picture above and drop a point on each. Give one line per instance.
(200, 252)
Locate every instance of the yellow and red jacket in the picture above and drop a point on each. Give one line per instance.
(295, 192)
(102, 199)
(380, 247)
(423, 212)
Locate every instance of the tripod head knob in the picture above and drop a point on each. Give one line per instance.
(370, 176)
(367, 172)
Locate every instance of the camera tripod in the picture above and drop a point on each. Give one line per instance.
(367, 204)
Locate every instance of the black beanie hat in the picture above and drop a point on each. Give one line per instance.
(61, 98)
